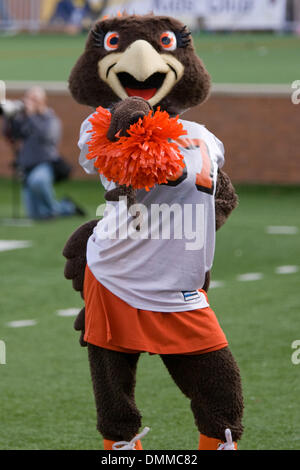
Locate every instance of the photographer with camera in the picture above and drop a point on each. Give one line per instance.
(34, 130)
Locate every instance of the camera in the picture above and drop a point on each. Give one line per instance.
(10, 108)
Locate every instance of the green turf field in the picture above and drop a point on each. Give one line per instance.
(230, 58)
(45, 388)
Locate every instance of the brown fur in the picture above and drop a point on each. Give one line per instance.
(75, 252)
(87, 87)
(79, 325)
(125, 113)
(212, 382)
(226, 199)
(199, 377)
(113, 377)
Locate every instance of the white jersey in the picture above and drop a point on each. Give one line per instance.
(161, 266)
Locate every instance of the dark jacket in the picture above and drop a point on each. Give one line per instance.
(39, 135)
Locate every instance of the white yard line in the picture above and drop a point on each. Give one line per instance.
(16, 222)
(6, 245)
(286, 269)
(69, 312)
(282, 230)
(249, 277)
(21, 323)
(214, 284)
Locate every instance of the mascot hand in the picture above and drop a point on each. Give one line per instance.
(79, 325)
(125, 113)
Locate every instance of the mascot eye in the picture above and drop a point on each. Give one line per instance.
(168, 41)
(111, 41)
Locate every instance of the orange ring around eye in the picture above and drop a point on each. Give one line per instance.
(171, 44)
(108, 38)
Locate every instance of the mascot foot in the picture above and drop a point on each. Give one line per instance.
(210, 443)
(134, 444)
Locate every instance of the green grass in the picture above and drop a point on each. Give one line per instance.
(230, 58)
(45, 387)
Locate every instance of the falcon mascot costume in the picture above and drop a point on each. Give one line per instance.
(146, 293)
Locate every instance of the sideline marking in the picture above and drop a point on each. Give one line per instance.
(249, 277)
(16, 222)
(287, 269)
(68, 312)
(21, 323)
(6, 245)
(282, 230)
(2, 352)
(214, 284)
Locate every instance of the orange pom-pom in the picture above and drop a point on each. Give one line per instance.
(143, 158)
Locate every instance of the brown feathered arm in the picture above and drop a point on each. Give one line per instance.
(75, 252)
(226, 199)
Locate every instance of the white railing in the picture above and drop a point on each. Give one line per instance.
(20, 14)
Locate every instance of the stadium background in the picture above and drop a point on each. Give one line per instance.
(47, 397)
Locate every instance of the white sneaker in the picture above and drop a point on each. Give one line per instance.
(124, 445)
(228, 445)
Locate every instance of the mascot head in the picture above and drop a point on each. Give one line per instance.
(148, 56)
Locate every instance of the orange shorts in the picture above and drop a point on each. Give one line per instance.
(113, 324)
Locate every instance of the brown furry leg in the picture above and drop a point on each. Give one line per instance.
(113, 377)
(212, 382)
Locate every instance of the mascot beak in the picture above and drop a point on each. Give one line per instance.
(141, 71)
(141, 61)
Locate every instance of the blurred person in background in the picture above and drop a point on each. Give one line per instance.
(77, 14)
(292, 16)
(5, 18)
(92, 12)
(35, 132)
(296, 16)
(63, 12)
